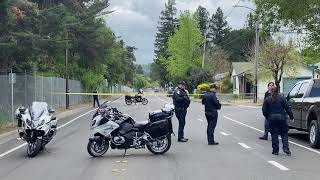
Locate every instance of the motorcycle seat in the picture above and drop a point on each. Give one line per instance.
(141, 124)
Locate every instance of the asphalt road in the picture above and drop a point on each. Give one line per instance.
(240, 154)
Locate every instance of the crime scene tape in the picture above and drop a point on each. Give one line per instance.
(130, 94)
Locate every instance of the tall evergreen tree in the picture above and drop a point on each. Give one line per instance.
(218, 29)
(167, 24)
(202, 17)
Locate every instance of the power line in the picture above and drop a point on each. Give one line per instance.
(233, 7)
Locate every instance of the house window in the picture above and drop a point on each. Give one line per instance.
(234, 83)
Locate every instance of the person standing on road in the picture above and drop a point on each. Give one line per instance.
(95, 98)
(181, 101)
(212, 105)
(266, 123)
(274, 110)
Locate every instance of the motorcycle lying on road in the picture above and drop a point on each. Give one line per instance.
(135, 99)
(119, 131)
(36, 126)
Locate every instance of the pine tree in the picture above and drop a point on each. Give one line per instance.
(202, 17)
(218, 29)
(167, 24)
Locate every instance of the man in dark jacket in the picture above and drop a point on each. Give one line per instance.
(95, 98)
(212, 105)
(266, 123)
(181, 103)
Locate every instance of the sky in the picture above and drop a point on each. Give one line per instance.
(136, 21)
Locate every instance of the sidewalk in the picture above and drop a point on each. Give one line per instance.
(60, 113)
(237, 102)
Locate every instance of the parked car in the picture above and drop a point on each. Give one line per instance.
(304, 100)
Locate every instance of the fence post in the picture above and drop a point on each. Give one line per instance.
(51, 95)
(25, 88)
(42, 97)
(35, 86)
(12, 111)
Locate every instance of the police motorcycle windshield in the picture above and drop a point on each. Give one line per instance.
(38, 109)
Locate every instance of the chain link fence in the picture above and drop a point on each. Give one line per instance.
(21, 89)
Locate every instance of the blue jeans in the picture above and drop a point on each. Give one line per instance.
(266, 128)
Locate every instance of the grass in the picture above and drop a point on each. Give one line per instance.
(5, 126)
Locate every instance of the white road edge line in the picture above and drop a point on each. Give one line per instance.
(200, 120)
(20, 146)
(162, 100)
(71, 121)
(253, 107)
(294, 143)
(244, 145)
(278, 165)
(223, 133)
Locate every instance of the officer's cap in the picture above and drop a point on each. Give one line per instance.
(182, 82)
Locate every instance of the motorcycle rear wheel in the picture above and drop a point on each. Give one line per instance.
(96, 148)
(34, 148)
(128, 102)
(160, 146)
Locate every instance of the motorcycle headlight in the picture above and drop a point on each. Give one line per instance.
(42, 122)
(28, 121)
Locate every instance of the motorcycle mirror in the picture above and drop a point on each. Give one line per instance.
(51, 111)
(53, 118)
(22, 110)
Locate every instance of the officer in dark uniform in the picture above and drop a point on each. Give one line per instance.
(212, 105)
(95, 98)
(266, 123)
(181, 103)
(274, 110)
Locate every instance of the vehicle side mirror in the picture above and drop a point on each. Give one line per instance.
(51, 111)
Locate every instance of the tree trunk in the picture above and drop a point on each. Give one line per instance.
(277, 82)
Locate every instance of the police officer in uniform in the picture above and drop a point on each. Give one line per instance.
(181, 101)
(212, 105)
(274, 110)
(95, 98)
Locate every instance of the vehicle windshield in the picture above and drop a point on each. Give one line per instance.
(38, 109)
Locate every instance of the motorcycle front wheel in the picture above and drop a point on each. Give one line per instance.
(34, 148)
(160, 146)
(144, 101)
(99, 147)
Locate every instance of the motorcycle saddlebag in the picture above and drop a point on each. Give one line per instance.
(158, 115)
(158, 129)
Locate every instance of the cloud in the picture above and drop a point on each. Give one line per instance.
(136, 20)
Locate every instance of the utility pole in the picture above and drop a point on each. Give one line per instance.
(256, 63)
(204, 50)
(66, 74)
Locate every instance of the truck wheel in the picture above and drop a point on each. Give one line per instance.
(314, 134)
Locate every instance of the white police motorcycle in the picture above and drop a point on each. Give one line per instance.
(109, 127)
(36, 126)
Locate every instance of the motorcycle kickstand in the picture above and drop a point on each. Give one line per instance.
(125, 152)
(44, 148)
